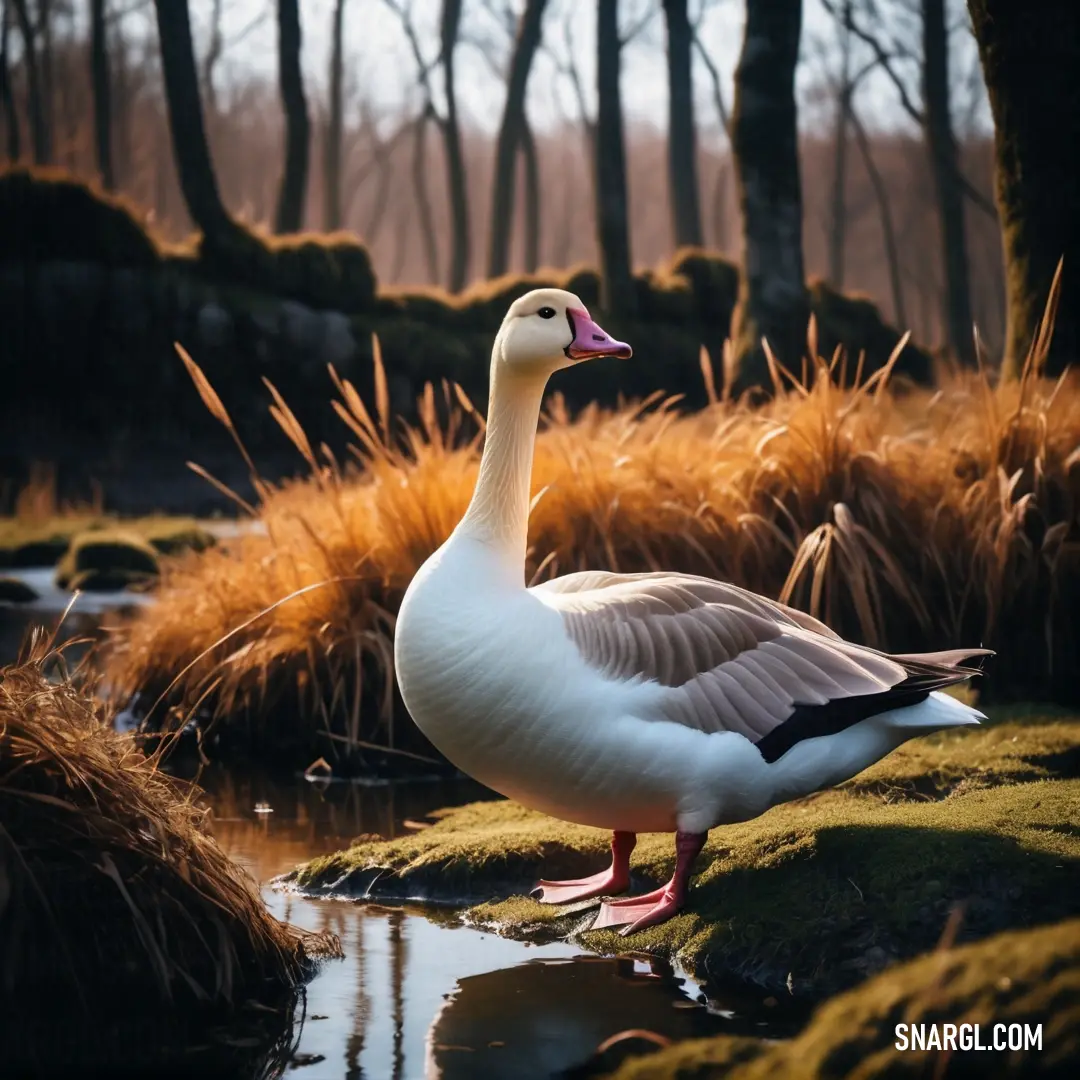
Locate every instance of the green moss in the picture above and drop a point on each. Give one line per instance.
(27, 543)
(103, 561)
(14, 591)
(824, 888)
(1027, 977)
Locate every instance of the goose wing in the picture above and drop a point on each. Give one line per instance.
(736, 661)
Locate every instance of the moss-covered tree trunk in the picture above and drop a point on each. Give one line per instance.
(291, 195)
(512, 135)
(99, 80)
(332, 158)
(1031, 61)
(772, 302)
(613, 228)
(945, 166)
(682, 135)
(456, 178)
(197, 180)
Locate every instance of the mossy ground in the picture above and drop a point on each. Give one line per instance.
(44, 541)
(1026, 977)
(824, 889)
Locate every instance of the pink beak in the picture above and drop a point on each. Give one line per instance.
(590, 340)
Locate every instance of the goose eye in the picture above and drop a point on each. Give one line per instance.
(546, 313)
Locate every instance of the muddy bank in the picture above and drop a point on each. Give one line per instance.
(810, 898)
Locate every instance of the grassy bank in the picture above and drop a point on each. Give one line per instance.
(126, 932)
(906, 519)
(1030, 977)
(817, 893)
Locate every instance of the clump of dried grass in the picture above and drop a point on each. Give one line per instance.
(109, 877)
(904, 517)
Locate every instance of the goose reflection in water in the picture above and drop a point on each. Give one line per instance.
(549, 1018)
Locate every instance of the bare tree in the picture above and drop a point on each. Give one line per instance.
(951, 188)
(37, 107)
(423, 197)
(1029, 61)
(290, 208)
(618, 293)
(457, 182)
(211, 58)
(7, 96)
(99, 79)
(531, 218)
(773, 303)
(720, 183)
(186, 123)
(945, 159)
(888, 230)
(332, 162)
(449, 128)
(838, 206)
(514, 135)
(682, 134)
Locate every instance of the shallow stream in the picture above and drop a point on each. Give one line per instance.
(417, 996)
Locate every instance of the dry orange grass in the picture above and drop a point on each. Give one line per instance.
(905, 518)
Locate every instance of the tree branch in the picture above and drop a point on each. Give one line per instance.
(883, 58)
(717, 84)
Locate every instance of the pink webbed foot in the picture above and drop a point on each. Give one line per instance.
(615, 879)
(637, 912)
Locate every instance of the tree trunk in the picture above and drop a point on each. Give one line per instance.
(123, 155)
(945, 166)
(720, 208)
(423, 199)
(1032, 69)
(531, 217)
(193, 163)
(682, 135)
(617, 290)
(772, 302)
(40, 141)
(45, 65)
(888, 232)
(99, 77)
(290, 207)
(332, 162)
(210, 60)
(511, 135)
(457, 182)
(838, 212)
(7, 96)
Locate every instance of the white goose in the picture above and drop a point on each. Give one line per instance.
(632, 702)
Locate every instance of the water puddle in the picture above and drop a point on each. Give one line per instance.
(416, 997)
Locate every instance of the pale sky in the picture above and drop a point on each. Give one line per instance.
(380, 65)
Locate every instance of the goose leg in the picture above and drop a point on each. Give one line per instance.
(661, 904)
(614, 880)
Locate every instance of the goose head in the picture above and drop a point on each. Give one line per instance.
(549, 329)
